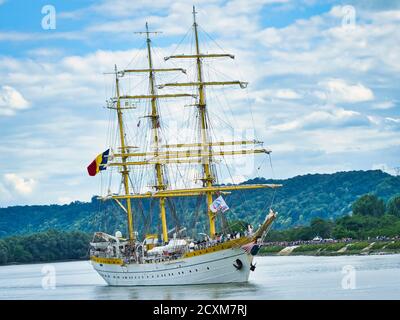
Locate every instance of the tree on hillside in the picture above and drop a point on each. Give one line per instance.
(321, 227)
(369, 205)
(3, 252)
(393, 206)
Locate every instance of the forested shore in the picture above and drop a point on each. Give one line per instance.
(373, 227)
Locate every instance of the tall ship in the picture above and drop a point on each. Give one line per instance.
(175, 256)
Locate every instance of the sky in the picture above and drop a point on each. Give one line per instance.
(323, 87)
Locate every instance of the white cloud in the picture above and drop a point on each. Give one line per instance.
(46, 52)
(338, 90)
(287, 94)
(11, 100)
(383, 105)
(327, 117)
(395, 120)
(283, 94)
(21, 185)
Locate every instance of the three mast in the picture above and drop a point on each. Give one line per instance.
(204, 153)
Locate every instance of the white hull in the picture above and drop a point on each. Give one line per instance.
(216, 267)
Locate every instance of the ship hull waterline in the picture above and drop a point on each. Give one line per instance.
(225, 266)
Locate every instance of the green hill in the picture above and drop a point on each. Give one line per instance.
(301, 199)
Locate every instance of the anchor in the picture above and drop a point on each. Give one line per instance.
(238, 265)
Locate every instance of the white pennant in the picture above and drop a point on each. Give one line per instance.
(219, 204)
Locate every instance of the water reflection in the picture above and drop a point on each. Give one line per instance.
(214, 292)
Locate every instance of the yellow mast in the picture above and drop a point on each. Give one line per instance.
(155, 128)
(124, 171)
(208, 178)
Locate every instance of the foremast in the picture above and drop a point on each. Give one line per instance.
(155, 125)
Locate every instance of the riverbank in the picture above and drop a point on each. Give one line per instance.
(333, 249)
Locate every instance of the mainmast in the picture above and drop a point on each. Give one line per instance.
(206, 145)
(208, 178)
(155, 125)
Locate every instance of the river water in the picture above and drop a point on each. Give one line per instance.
(290, 277)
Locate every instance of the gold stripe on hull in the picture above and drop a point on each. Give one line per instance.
(223, 246)
(107, 260)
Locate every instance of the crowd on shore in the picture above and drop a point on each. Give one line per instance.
(318, 240)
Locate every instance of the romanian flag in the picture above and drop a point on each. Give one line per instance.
(99, 163)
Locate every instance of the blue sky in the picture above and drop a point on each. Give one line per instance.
(323, 93)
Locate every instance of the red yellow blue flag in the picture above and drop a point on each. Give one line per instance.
(99, 163)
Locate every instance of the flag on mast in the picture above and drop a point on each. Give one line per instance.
(219, 204)
(99, 163)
